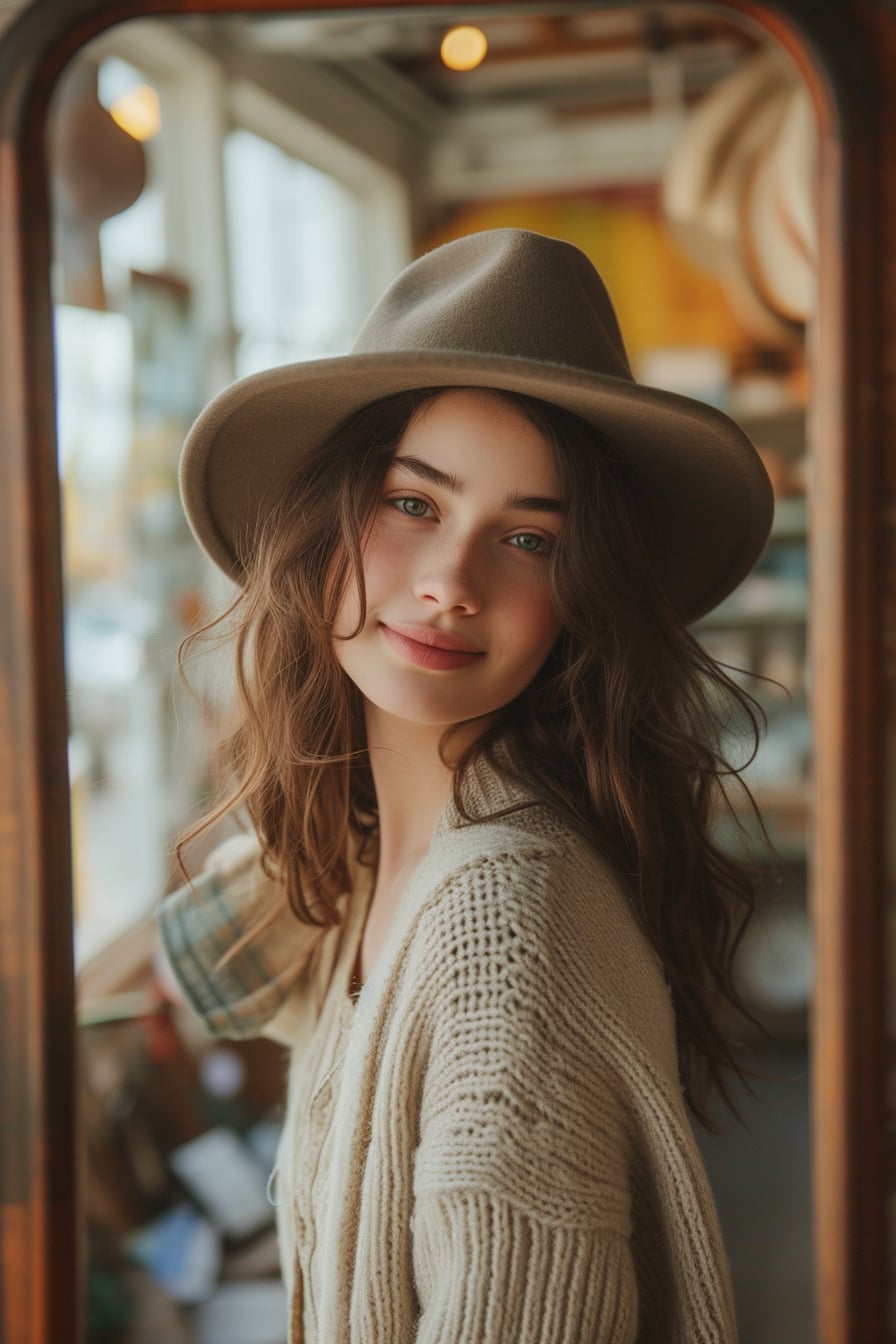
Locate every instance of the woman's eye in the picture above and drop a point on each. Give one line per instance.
(409, 504)
(532, 543)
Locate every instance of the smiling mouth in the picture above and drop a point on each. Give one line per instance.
(435, 639)
(428, 655)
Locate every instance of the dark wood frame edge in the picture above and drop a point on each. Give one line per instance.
(39, 1203)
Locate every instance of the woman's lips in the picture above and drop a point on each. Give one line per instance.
(426, 655)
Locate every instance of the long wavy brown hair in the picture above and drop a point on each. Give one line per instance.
(621, 730)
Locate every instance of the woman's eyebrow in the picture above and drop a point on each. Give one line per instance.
(448, 481)
(535, 504)
(427, 472)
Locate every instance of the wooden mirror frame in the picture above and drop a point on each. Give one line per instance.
(846, 52)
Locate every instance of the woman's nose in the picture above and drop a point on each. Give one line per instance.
(449, 578)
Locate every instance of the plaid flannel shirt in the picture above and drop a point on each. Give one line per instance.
(237, 977)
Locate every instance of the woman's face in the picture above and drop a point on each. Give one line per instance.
(459, 613)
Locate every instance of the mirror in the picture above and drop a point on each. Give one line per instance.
(231, 194)
(846, 408)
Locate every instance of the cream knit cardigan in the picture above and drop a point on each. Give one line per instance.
(512, 1162)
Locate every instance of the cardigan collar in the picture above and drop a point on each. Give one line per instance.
(486, 790)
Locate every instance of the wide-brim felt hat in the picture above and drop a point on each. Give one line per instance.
(779, 213)
(707, 180)
(516, 311)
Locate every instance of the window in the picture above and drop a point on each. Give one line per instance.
(293, 234)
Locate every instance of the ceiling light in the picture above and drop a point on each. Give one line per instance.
(463, 48)
(138, 112)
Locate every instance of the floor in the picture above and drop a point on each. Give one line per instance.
(761, 1178)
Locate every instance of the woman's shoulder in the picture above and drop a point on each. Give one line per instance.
(530, 886)
(534, 863)
(506, 829)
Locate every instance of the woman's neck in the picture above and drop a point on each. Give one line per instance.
(412, 786)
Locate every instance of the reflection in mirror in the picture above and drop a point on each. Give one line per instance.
(231, 194)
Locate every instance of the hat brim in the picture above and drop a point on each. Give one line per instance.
(706, 497)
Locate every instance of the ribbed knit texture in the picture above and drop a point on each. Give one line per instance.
(501, 1274)
(492, 1145)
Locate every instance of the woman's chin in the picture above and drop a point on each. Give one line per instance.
(424, 716)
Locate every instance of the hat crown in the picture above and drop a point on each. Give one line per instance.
(506, 293)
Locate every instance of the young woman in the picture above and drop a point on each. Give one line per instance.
(477, 750)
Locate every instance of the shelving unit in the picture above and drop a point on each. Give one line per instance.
(762, 629)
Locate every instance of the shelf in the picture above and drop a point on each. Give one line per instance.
(784, 430)
(738, 617)
(786, 813)
(791, 521)
(792, 801)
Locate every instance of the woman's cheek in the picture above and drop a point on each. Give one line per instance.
(384, 558)
(538, 619)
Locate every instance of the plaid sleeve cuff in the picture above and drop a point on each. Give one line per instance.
(235, 993)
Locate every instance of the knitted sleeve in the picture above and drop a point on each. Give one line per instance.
(486, 1270)
(235, 947)
(521, 1225)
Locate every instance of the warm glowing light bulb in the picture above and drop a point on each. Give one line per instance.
(138, 112)
(463, 48)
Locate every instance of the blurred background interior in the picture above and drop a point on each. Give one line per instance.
(234, 193)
